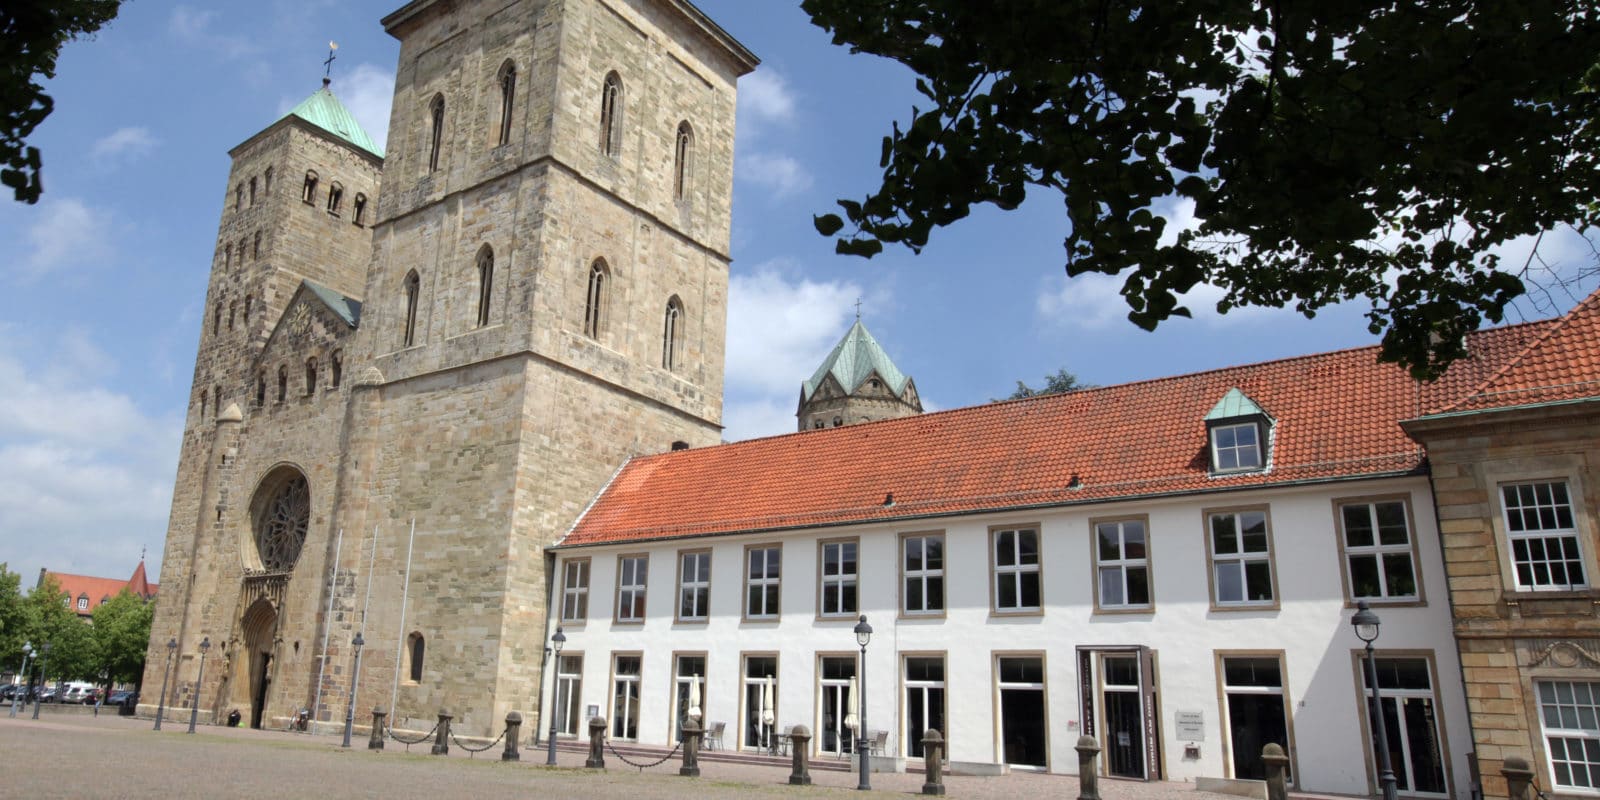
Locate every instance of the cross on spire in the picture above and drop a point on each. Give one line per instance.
(327, 65)
(858, 309)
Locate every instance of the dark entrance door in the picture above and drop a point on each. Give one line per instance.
(1256, 712)
(1022, 729)
(1124, 739)
(262, 680)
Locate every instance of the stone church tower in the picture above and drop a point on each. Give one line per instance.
(857, 382)
(421, 389)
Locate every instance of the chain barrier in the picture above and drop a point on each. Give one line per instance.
(643, 767)
(471, 751)
(409, 742)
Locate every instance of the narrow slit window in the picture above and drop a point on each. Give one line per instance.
(261, 389)
(436, 136)
(283, 384)
(360, 209)
(311, 376)
(409, 327)
(670, 334)
(252, 191)
(485, 283)
(255, 246)
(594, 303)
(611, 115)
(308, 191)
(683, 161)
(508, 94)
(417, 649)
(335, 197)
(266, 182)
(335, 369)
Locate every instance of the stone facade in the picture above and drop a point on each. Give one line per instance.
(489, 428)
(1512, 635)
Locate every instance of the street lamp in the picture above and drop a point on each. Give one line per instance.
(355, 681)
(27, 650)
(199, 680)
(556, 643)
(44, 652)
(1366, 624)
(161, 702)
(863, 635)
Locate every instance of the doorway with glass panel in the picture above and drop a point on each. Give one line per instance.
(924, 701)
(1411, 720)
(836, 716)
(760, 700)
(1024, 736)
(690, 670)
(625, 697)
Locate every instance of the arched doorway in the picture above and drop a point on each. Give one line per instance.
(260, 629)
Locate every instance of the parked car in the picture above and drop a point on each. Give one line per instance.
(9, 691)
(126, 697)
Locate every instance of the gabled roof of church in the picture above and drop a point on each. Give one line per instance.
(347, 308)
(855, 357)
(325, 111)
(98, 590)
(1337, 417)
(1561, 366)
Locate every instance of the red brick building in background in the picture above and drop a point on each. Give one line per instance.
(84, 593)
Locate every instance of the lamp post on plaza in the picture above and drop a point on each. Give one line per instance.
(44, 653)
(199, 680)
(863, 635)
(355, 683)
(161, 702)
(16, 697)
(556, 643)
(1366, 624)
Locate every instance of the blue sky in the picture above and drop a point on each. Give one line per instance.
(103, 280)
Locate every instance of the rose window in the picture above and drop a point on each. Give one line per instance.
(281, 529)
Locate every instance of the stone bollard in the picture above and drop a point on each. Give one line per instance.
(597, 744)
(441, 740)
(1519, 776)
(375, 741)
(933, 760)
(1277, 765)
(513, 730)
(691, 748)
(1088, 781)
(800, 744)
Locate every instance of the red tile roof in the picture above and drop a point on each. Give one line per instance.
(1336, 416)
(1562, 364)
(99, 590)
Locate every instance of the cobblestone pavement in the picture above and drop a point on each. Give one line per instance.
(79, 756)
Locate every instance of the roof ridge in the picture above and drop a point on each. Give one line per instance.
(1481, 389)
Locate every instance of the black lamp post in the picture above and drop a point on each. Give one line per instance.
(199, 680)
(161, 702)
(44, 652)
(556, 643)
(1366, 624)
(16, 697)
(355, 681)
(863, 635)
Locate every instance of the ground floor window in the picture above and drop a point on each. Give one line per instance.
(569, 687)
(924, 701)
(690, 671)
(1122, 699)
(1569, 713)
(1254, 702)
(1024, 741)
(1411, 722)
(760, 702)
(625, 697)
(836, 705)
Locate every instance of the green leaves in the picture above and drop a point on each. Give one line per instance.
(1341, 152)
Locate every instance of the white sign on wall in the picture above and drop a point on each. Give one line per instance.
(1191, 725)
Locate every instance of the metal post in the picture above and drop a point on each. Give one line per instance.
(556, 643)
(199, 681)
(863, 744)
(1385, 770)
(350, 708)
(44, 653)
(27, 652)
(161, 702)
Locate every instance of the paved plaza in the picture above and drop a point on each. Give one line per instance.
(80, 756)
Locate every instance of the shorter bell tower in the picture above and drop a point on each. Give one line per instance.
(857, 382)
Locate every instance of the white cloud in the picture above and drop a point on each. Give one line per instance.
(368, 92)
(194, 28)
(764, 96)
(61, 233)
(780, 330)
(780, 174)
(755, 418)
(130, 143)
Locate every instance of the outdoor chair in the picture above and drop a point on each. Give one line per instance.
(880, 741)
(714, 735)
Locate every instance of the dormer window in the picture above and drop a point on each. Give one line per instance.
(1238, 434)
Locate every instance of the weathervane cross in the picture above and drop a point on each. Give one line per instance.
(858, 309)
(327, 66)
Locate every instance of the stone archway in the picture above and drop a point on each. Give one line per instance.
(259, 627)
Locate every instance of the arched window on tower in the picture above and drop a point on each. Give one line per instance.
(413, 287)
(233, 308)
(671, 333)
(227, 255)
(360, 209)
(611, 115)
(311, 376)
(266, 183)
(436, 135)
(238, 197)
(202, 404)
(255, 246)
(283, 383)
(252, 190)
(683, 161)
(216, 319)
(508, 94)
(249, 300)
(335, 368)
(216, 394)
(595, 302)
(416, 648)
(485, 283)
(308, 192)
(261, 388)
(335, 196)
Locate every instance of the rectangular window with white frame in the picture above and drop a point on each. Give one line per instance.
(569, 689)
(1236, 448)
(632, 576)
(1569, 717)
(1016, 571)
(575, 590)
(763, 580)
(1543, 536)
(694, 585)
(922, 574)
(1379, 552)
(1121, 559)
(1239, 549)
(839, 576)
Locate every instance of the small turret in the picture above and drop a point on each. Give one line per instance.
(857, 382)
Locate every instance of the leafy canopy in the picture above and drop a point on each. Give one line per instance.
(121, 632)
(1059, 383)
(1332, 150)
(31, 35)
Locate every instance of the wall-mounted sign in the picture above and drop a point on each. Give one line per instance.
(1191, 725)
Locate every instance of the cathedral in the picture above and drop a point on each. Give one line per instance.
(418, 366)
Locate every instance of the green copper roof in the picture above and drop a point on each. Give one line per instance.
(855, 357)
(347, 309)
(1234, 404)
(325, 111)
